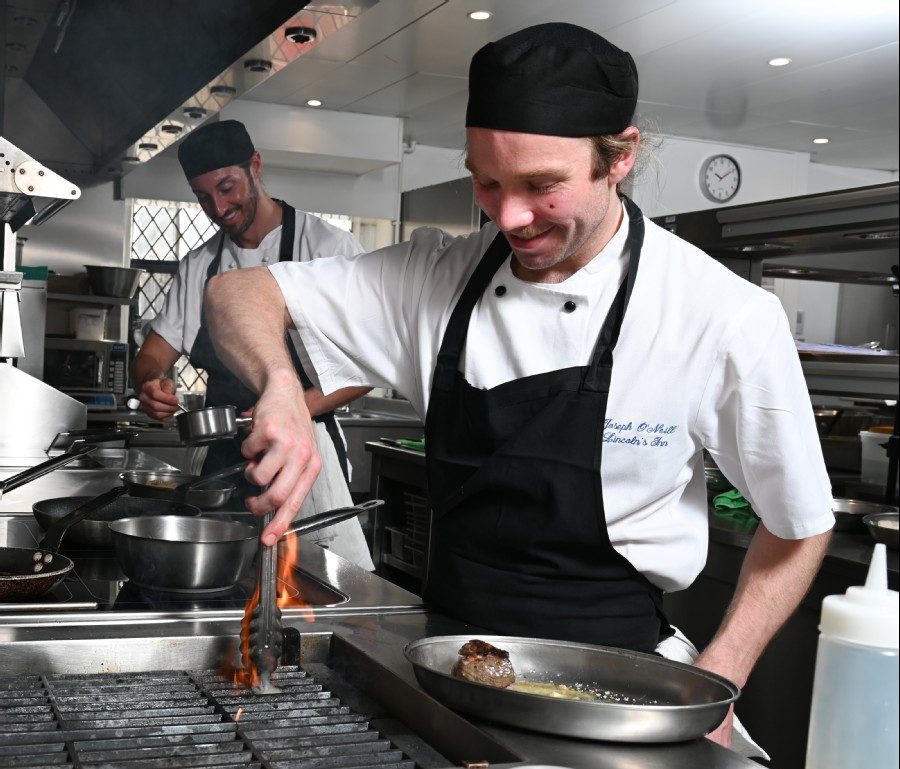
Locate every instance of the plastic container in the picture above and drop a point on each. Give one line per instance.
(88, 322)
(853, 720)
(873, 464)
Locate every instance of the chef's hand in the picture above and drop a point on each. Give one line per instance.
(283, 453)
(158, 399)
(712, 659)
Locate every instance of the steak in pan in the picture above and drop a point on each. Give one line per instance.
(484, 663)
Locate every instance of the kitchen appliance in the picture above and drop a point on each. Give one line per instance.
(22, 181)
(93, 372)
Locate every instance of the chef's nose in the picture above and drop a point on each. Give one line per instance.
(512, 212)
(220, 205)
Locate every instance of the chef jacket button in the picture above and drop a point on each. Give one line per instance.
(265, 260)
(500, 290)
(570, 306)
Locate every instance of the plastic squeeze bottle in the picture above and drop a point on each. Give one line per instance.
(854, 717)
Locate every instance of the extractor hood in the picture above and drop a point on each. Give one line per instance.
(842, 236)
(95, 87)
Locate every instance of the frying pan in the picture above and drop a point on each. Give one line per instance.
(643, 697)
(148, 484)
(166, 552)
(207, 425)
(93, 531)
(29, 573)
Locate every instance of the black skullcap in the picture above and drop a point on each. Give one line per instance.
(213, 146)
(555, 79)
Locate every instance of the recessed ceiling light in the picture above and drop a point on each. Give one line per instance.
(820, 140)
(480, 15)
(313, 102)
(779, 61)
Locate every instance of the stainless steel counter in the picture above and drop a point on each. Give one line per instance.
(357, 645)
(358, 652)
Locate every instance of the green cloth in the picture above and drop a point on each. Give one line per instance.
(417, 444)
(730, 500)
(732, 505)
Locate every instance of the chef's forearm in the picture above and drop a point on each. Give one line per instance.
(317, 403)
(153, 361)
(774, 577)
(247, 317)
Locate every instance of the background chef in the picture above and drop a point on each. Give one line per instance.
(572, 361)
(224, 171)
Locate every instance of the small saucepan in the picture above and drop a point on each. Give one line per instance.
(173, 553)
(207, 425)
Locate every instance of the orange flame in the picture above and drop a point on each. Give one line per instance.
(289, 559)
(288, 597)
(240, 712)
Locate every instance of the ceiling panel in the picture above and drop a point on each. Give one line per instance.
(702, 64)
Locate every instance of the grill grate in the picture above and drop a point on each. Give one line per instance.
(175, 720)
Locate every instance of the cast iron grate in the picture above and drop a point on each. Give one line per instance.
(175, 720)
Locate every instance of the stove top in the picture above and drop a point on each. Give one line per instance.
(97, 582)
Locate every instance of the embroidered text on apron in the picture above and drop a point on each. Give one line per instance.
(519, 544)
(224, 389)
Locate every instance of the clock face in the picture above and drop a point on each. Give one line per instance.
(720, 178)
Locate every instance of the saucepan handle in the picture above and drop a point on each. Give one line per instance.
(33, 473)
(320, 521)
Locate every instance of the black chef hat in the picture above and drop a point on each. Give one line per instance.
(213, 146)
(554, 79)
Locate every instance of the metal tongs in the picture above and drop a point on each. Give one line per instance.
(263, 636)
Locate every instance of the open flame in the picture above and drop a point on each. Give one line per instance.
(289, 596)
(240, 712)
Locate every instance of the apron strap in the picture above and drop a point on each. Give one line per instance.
(458, 326)
(599, 371)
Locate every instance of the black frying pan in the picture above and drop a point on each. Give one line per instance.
(26, 573)
(93, 531)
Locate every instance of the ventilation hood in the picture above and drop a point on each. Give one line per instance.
(93, 88)
(842, 236)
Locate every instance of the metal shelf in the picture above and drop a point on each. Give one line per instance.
(861, 376)
(89, 299)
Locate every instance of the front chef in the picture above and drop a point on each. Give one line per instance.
(572, 360)
(225, 173)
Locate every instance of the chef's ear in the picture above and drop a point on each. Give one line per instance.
(622, 165)
(256, 165)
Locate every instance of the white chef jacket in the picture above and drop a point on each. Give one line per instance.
(179, 323)
(705, 359)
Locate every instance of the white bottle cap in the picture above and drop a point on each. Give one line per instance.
(867, 615)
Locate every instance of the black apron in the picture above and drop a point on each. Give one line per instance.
(224, 389)
(519, 544)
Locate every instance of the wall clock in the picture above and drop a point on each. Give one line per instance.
(720, 178)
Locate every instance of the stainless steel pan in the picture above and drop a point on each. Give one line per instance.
(651, 699)
(173, 553)
(164, 485)
(207, 425)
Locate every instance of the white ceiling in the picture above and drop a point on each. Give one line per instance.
(702, 65)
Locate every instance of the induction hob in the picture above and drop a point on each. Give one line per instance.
(98, 583)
